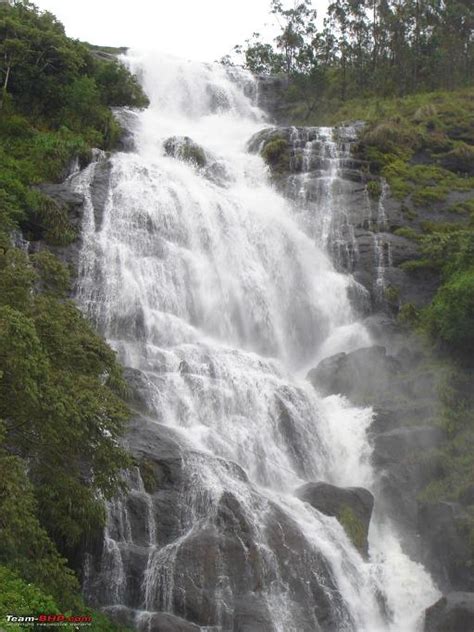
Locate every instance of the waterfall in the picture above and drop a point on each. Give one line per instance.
(220, 292)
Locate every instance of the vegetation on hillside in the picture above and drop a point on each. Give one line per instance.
(364, 48)
(423, 146)
(61, 414)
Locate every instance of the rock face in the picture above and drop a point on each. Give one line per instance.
(352, 506)
(452, 613)
(445, 543)
(357, 375)
(361, 232)
(198, 546)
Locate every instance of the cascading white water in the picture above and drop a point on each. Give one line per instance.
(204, 279)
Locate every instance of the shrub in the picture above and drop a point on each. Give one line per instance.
(450, 316)
(276, 153)
(374, 189)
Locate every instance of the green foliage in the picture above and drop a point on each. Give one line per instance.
(61, 416)
(49, 74)
(366, 49)
(374, 189)
(408, 315)
(26, 599)
(392, 295)
(56, 388)
(353, 527)
(450, 317)
(276, 153)
(406, 232)
(148, 474)
(453, 462)
(54, 108)
(21, 598)
(24, 544)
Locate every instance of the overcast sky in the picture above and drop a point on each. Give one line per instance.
(203, 30)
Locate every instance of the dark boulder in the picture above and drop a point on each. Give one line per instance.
(452, 613)
(352, 506)
(138, 395)
(358, 375)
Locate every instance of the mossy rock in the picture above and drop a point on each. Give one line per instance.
(352, 506)
(185, 149)
(149, 476)
(277, 154)
(354, 528)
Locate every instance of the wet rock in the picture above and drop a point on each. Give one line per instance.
(445, 544)
(358, 374)
(185, 149)
(100, 187)
(65, 197)
(71, 203)
(128, 120)
(352, 506)
(452, 613)
(138, 394)
(158, 444)
(251, 614)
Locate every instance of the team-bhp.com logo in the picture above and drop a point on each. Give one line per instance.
(48, 619)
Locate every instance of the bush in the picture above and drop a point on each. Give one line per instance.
(22, 599)
(374, 189)
(276, 153)
(450, 316)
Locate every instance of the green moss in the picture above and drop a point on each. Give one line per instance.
(407, 232)
(148, 474)
(194, 154)
(276, 153)
(354, 527)
(408, 213)
(392, 295)
(374, 189)
(413, 265)
(450, 316)
(408, 315)
(462, 208)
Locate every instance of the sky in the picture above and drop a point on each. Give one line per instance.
(203, 30)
